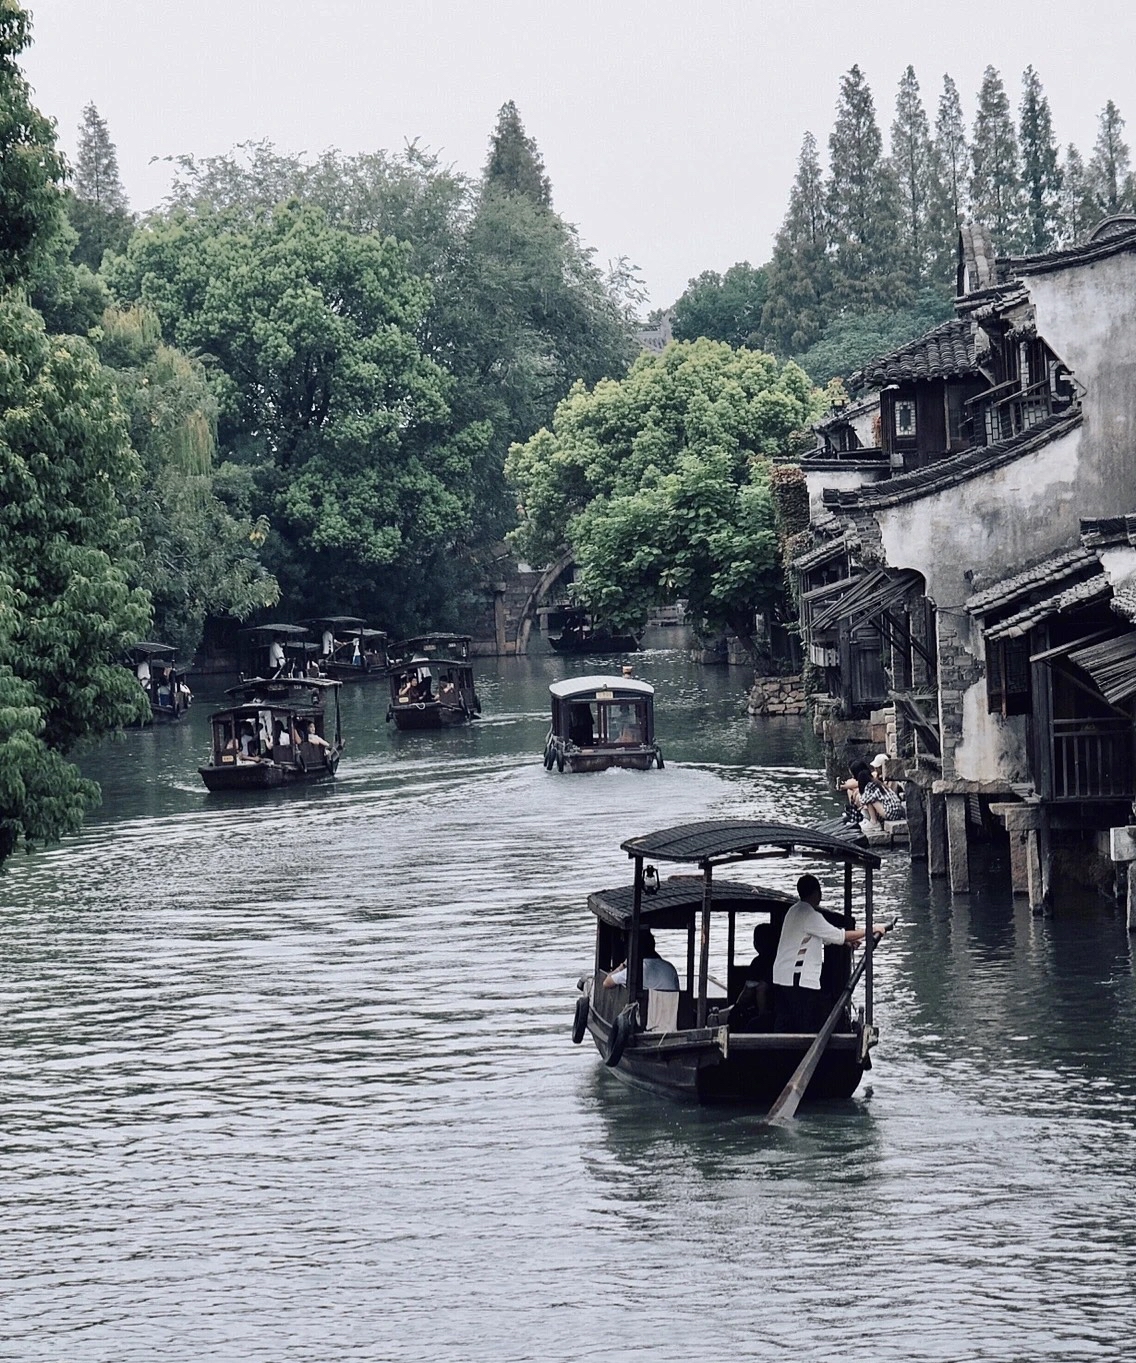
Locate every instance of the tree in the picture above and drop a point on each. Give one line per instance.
(1041, 175)
(854, 338)
(660, 483)
(1078, 212)
(97, 204)
(723, 307)
(514, 165)
(66, 554)
(199, 543)
(323, 391)
(911, 156)
(799, 279)
(31, 168)
(863, 219)
(996, 181)
(950, 170)
(1109, 176)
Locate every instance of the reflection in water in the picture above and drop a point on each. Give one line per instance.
(290, 1078)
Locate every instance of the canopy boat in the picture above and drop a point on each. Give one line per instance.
(278, 731)
(154, 666)
(579, 634)
(716, 1040)
(350, 650)
(600, 722)
(431, 682)
(274, 650)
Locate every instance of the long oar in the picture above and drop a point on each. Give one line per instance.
(788, 1100)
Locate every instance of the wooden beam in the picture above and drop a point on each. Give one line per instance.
(936, 835)
(956, 844)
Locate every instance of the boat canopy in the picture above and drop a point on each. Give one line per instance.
(295, 630)
(452, 647)
(348, 621)
(724, 840)
(279, 690)
(146, 648)
(677, 901)
(574, 687)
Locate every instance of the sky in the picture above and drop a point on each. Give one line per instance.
(670, 129)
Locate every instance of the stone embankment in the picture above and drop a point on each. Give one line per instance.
(777, 696)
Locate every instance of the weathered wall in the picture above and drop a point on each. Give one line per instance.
(845, 475)
(777, 696)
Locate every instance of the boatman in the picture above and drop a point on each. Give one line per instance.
(800, 1004)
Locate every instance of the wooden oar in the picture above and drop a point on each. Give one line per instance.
(788, 1100)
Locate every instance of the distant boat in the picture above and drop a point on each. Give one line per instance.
(154, 666)
(431, 682)
(277, 731)
(579, 634)
(350, 650)
(600, 722)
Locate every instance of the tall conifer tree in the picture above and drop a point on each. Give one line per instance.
(97, 204)
(1041, 175)
(911, 156)
(1078, 213)
(1109, 175)
(862, 203)
(949, 184)
(796, 308)
(996, 176)
(515, 165)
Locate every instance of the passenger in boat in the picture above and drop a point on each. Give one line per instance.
(801, 1005)
(327, 644)
(143, 673)
(315, 739)
(283, 735)
(246, 745)
(313, 669)
(657, 973)
(630, 731)
(275, 658)
(753, 1008)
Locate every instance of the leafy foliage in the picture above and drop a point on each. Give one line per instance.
(97, 203)
(515, 165)
(723, 307)
(996, 176)
(660, 483)
(854, 338)
(1109, 175)
(799, 278)
(912, 162)
(1041, 174)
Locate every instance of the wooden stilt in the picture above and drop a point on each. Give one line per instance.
(956, 844)
(916, 821)
(936, 835)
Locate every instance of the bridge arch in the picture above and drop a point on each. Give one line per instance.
(543, 585)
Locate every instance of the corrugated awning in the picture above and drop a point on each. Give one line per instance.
(1112, 666)
(875, 593)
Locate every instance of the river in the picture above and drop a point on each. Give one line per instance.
(290, 1078)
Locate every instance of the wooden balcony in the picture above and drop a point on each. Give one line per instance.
(1092, 759)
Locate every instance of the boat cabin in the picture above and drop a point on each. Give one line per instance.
(275, 732)
(155, 667)
(349, 649)
(715, 1038)
(274, 650)
(600, 722)
(431, 682)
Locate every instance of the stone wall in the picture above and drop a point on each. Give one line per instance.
(776, 696)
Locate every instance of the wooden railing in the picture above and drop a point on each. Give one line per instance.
(1093, 759)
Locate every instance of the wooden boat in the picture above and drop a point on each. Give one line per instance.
(600, 722)
(350, 650)
(579, 634)
(714, 1041)
(274, 649)
(277, 732)
(431, 682)
(154, 666)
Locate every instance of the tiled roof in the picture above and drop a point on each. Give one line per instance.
(840, 416)
(1105, 531)
(1058, 568)
(946, 473)
(1124, 603)
(1071, 256)
(949, 349)
(1092, 589)
(820, 554)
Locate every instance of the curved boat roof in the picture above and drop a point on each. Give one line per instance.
(150, 649)
(275, 629)
(579, 686)
(677, 898)
(277, 687)
(737, 839)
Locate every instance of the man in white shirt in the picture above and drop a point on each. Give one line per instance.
(801, 1006)
(657, 973)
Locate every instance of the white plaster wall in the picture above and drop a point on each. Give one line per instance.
(1088, 316)
(865, 426)
(1119, 564)
(975, 533)
(845, 479)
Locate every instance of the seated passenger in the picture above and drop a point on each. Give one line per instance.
(657, 973)
(753, 1007)
(630, 730)
(317, 740)
(581, 729)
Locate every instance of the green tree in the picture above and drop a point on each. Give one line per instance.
(854, 338)
(199, 544)
(1109, 175)
(97, 203)
(660, 483)
(514, 165)
(31, 168)
(798, 277)
(66, 555)
(996, 198)
(323, 391)
(952, 161)
(862, 204)
(723, 307)
(1078, 212)
(912, 163)
(1041, 174)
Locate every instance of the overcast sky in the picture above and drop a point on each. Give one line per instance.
(670, 128)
